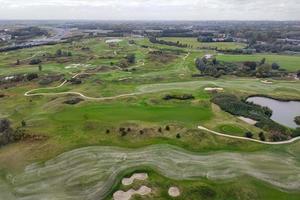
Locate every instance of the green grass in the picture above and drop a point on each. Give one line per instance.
(195, 44)
(69, 127)
(232, 129)
(288, 62)
(120, 113)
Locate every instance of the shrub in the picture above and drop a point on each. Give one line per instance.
(296, 132)
(73, 101)
(35, 61)
(167, 128)
(249, 134)
(275, 66)
(262, 136)
(31, 76)
(297, 120)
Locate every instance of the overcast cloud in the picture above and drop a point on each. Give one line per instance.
(151, 9)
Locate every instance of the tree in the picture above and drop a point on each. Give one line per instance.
(40, 68)
(275, 66)
(200, 65)
(214, 61)
(58, 52)
(35, 61)
(249, 134)
(23, 123)
(251, 65)
(263, 71)
(262, 136)
(131, 58)
(263, 61)
(178, 136)
(297, 120)
(18, 62)
(167, 128)
(4, 125)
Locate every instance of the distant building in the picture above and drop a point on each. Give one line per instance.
(5, 37)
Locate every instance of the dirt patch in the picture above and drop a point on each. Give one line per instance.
(137, 176)
(174, 192)
(161, 57)
(121, 195)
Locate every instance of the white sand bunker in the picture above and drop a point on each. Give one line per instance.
(137, 176)
(208, 56)
(74, 66)
(174, 192)
(113, 41)
(214, 89)
(121, 195)
(248, 120)
(266, 82)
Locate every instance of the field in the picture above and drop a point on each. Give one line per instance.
(288, 62)
(195, 44)
(124, 124)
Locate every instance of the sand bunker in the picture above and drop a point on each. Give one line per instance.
(214, 89)
(174, 192)
(121, 195)
(208, 56)
(74, 66)
(113, 41)
(266, 82)
(248, 120)
(137, 176)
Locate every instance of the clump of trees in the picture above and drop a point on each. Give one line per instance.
(60, 53)
(169, 43)
(32, 76)
(8, 134)
(212, 67)
(232, 104)
(179, 97)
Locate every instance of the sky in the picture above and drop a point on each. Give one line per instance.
(151, 9)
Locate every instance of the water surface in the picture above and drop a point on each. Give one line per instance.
(284, 112)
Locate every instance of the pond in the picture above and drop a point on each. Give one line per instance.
(284, 112)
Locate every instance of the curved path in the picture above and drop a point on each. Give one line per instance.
(249, 139)
(30, 92)
(90, 173)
